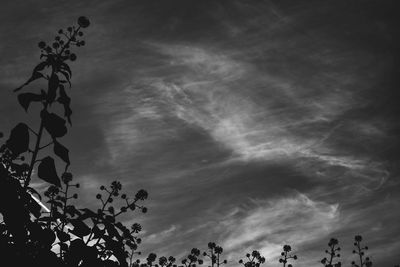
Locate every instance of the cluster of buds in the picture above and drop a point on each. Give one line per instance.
(192, 259)
(64, 40)
(253, 260)
(114, 191)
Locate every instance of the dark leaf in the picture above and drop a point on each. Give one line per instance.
(65, 67)
(48, 237)
(65, 100)
(72, 211)
(54, 124)
(75, 253)
(67, 78)
(97, 232)
(112, 232)
(40, 66)
(35, 75)
(19, 139)
(80, 228)
(26, 98)
(61, 151)
(63, 236)
(53, 85)
(47, 171)
(87, 213)
(63, 246)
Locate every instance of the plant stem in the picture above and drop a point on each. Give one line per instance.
(35, 152)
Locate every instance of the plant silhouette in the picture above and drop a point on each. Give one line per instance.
(214, 254)
(332, 254)
(253, 260)
(61, 234)
(286, 256)
(192, 259)
(360, 252)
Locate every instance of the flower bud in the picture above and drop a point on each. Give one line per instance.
(42, 44)
(83, 22)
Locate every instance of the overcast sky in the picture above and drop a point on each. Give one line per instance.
(250, 123)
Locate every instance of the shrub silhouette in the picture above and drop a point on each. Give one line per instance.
(360, 251)
(333, 253)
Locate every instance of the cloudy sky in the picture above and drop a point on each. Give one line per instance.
(253, 124)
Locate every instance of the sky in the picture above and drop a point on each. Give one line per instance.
(252, 124)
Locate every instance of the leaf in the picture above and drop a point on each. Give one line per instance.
(61, 151)
(54, 124)
(19, 139)
(80, 228)
(64, 237)
(87, 213)
(35, 75)
(40, 66)
(75, 253)
(48, 237)
(47, 171)
(65, 67)
(97, 233)
(65, 100)
(53, 85)
(67, 79)
(26, 98)
(71, 210)
(112, 232)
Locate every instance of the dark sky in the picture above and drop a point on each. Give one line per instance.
(251, 123)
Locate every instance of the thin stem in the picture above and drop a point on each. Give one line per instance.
(360, 254)
(40, 148)
(97, 221)
(35, 152)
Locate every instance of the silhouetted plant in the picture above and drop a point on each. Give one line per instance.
(24, 236)
(214, 253)
(360, 251)
(333, 253)
(61, 235)
(192, 259)
(253, 260)
(285, 256)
